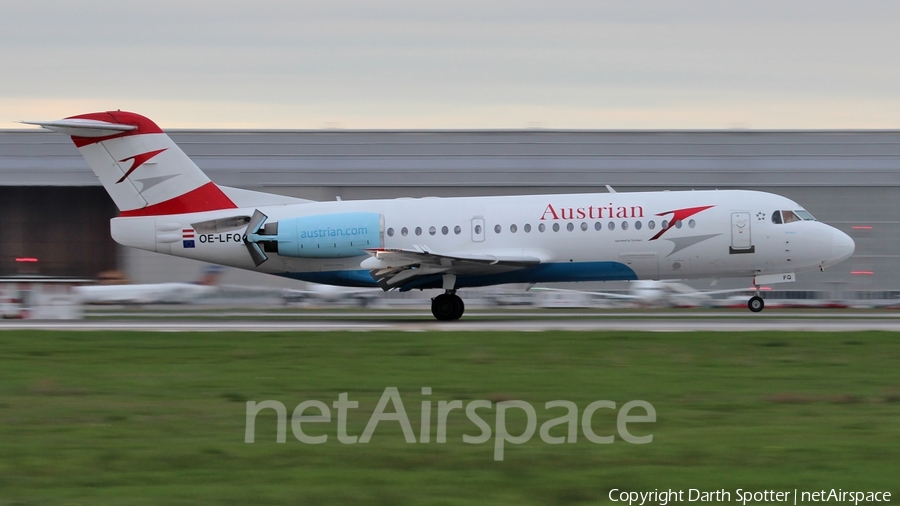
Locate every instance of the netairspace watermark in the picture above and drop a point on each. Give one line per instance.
(645, 414)
(744, 497)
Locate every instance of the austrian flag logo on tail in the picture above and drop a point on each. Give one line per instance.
(187, 237)
(137, 161)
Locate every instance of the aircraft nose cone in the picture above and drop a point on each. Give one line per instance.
(842, 246)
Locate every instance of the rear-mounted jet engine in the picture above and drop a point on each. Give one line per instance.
(338, 235)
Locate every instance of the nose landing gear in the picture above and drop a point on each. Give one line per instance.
(756, 303)
(447, 306)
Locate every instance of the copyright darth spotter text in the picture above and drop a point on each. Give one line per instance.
(744, 497)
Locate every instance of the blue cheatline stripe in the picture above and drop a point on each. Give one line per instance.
(544, 273)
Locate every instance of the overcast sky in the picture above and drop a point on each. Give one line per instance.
(460, 64)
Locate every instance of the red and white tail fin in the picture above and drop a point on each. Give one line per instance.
(144, 172)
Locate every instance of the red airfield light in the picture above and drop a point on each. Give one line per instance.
(861, 227)
(30, 260)
(862, 273)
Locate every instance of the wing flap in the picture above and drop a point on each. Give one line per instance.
(394, 267)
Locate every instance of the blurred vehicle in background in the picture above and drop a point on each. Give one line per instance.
(329, 295)
(40, 298)
(641, 293)
(152, 293)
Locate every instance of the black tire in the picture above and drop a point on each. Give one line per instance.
(444, 307)
(460, 307)
(756, 304)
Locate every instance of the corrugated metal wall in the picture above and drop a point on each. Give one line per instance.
(846, 178)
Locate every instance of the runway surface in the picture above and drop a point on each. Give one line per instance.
(554, 314)
(422, 322)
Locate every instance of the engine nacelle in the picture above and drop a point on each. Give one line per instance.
(322, 236)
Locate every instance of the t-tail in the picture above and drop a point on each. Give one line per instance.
(142, 169)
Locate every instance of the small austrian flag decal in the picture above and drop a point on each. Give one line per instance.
(187, 236)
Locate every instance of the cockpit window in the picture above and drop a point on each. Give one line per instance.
(789, 216)
(783, 216)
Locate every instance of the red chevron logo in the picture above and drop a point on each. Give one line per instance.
(678, 215)
(138, 160)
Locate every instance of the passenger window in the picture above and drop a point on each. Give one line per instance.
(637, 225)
(391, 232)
(418, 230)
(404, 231)
(457, 230)
(611, 226)
(692, 223)
(624, 225)
(678, 224)
(513, 228)
(527, 227)
(598, 226)
(570, 227)
(497, 229)
(584, 226)
(651, 224)
(541, 227)
(664, 224)
(432, 230)
(776, 217)
(445, 230)
(556, 227)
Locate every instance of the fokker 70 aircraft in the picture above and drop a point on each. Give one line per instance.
(168, 205)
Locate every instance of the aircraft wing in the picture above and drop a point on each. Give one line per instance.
(394, 267)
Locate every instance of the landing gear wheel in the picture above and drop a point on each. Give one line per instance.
(756, 304)
(447, 307)
(460, 307)
(443, 307)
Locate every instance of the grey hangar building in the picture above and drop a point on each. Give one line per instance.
(53, 208)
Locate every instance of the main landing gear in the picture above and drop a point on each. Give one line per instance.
(756, 303)
(447, 306)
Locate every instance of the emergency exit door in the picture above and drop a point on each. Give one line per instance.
(740, 233)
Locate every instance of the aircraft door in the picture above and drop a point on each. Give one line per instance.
(478, 229)
(740, 233)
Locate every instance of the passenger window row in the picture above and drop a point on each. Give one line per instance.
(570, 226)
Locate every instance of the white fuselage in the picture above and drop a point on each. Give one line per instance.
(577, 237)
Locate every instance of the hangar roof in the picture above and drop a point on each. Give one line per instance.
(538, 158)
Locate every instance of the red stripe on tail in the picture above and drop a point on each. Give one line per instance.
(208, 197)
(144, 125)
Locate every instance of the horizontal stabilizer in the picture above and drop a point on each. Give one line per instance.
(83, 127)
